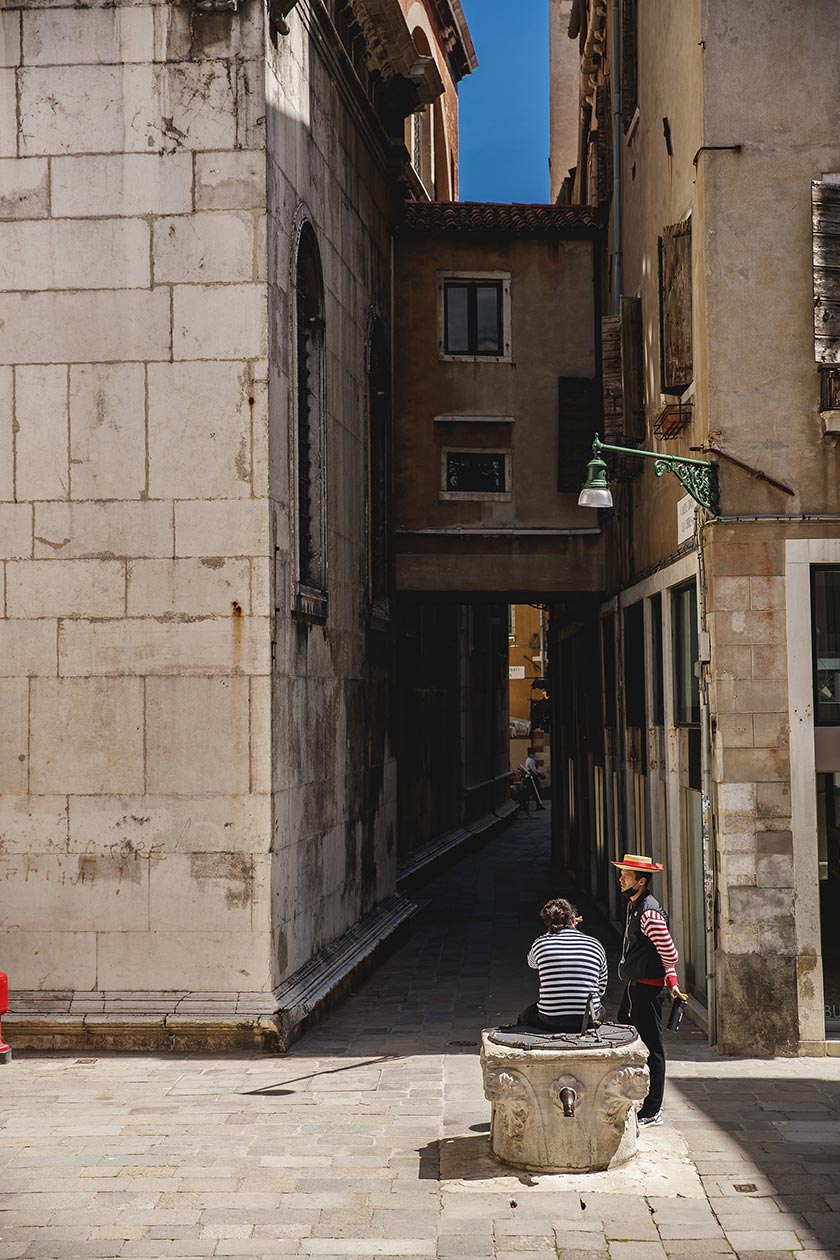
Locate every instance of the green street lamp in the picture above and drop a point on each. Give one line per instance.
(699, 477)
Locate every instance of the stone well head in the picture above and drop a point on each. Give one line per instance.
(564, 1102)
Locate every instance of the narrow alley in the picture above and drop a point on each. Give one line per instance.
(370, 1138)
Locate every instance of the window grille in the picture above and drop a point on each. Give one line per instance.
(379, 505)
(311, 481)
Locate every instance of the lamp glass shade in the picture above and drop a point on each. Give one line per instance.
(596, 489)
(595, 497)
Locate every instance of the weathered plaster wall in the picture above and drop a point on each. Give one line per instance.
(333, 847)
(763, 381)
(659, 190)
(551, 328)
(134, 639)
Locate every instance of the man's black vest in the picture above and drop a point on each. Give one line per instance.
(639, 959)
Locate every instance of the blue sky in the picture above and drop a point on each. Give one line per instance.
(504, 103)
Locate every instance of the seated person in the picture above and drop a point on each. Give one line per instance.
(572, 967)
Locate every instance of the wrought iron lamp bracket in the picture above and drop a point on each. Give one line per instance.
(698, 477)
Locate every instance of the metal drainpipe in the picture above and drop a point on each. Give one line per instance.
(708, 838)
(618, 136)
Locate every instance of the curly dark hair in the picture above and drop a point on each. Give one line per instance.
(558, 914)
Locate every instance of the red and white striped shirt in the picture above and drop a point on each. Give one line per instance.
(655, 928)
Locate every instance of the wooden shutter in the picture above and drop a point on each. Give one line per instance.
(677, 358)
(604, 144)
(579, 419)
(611, 379)
(825, 208)
(622, 370)
(629, 61)
(633, 369)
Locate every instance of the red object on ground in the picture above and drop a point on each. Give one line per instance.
(5, 1051)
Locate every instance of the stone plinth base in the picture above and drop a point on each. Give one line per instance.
(527, 1077)
(186, 1023)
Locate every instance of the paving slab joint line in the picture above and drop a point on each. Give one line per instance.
(664, 1241)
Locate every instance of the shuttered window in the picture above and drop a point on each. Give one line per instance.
(580, 412)
(629, 61)
(605, 145)
(622, 357)
(825, 207)
(677, 357)
(310, 437)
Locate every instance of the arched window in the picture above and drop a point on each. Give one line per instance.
(442, 190)
(379, 464)
(310, 441)
(422, 140)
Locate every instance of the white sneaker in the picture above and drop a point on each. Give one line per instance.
(646, 1120)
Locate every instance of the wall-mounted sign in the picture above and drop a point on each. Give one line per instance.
(686, 509)
(516, 671)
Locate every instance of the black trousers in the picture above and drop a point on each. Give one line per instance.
(532, 1018)
(641, 1006)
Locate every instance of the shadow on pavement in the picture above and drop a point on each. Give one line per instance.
(765, 1137)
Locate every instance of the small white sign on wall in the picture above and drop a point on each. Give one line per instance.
(686, 510)
(516, 671)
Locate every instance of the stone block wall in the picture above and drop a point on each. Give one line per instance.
(334, 850)
(135, 638)
(766, 950)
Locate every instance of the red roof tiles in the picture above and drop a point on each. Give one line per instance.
(445, 218)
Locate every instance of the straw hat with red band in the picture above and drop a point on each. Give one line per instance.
(638, 862)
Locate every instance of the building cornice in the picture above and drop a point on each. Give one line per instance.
(391, 50)
(455, 38)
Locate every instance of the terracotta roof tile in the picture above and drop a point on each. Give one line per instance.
(444, 218)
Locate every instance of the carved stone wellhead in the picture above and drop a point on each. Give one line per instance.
(564, 1102)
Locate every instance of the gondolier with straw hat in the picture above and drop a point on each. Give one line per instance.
(648, 965)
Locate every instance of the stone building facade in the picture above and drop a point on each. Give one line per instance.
(198, 771)
(715, 745)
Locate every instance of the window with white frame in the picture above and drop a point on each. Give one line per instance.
(474, 316)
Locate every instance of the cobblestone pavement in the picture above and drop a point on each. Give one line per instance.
(370, 1139)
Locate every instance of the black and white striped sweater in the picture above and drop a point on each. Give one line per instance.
(572, 966)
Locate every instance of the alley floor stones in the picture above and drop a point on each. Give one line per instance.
(370, 1139)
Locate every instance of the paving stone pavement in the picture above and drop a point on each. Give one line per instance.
(371, 1140)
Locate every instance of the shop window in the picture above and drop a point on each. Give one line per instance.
(634, 667)
(657, 661)
(828, 849)
(473, 323)
(310, 437)
(476, 474)
(686, 682)
(826, 622)
(608, 668)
